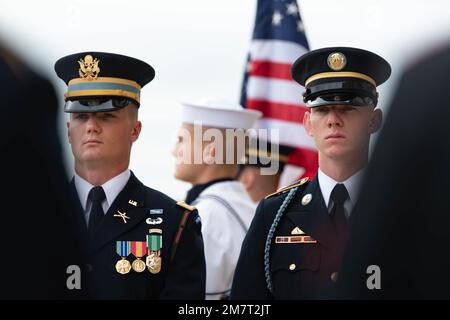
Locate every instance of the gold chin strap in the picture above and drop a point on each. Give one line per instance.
(342, 74)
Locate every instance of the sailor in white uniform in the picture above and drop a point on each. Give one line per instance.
(208, 157)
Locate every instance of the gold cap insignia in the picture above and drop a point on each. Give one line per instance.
(336, 61)
(89, 68)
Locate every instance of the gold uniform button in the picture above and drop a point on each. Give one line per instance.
(334, 276)
(292, 267)
(306, 199)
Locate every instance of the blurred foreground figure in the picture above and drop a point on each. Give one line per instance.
(401, 222)
(38, 244)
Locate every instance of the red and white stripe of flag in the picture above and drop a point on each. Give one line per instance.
(271, 89)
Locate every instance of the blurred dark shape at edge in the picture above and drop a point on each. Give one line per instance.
(401, 223)
(37, 234)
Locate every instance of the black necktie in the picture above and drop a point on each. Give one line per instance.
(339, 195)
(96, 196)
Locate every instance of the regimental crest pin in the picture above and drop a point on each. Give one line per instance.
(297, 231)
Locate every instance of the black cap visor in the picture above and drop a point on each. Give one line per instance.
(345, 92)
(96, 105)
(341, 99)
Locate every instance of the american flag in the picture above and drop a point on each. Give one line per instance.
(278, 40)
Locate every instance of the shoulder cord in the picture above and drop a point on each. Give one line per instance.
(272, 229)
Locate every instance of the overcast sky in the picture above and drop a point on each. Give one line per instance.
(198, 49)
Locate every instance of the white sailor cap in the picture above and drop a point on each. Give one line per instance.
(218, 113)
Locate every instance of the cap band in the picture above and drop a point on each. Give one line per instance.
(267, 155)
(340, 75)
(103, 86)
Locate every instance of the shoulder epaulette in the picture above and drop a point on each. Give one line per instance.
(181, 226)
(185, 206)
(287, 188)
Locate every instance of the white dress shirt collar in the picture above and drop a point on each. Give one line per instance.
(112, 188)
(352, 184)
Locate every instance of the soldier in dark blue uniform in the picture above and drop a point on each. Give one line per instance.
(294, 247)
(140, 244)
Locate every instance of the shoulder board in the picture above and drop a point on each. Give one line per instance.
(185, 206)
(287, 188)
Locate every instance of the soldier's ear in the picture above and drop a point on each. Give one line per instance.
(307, 122)
(209, 153)
(136, 131)
(68, 132)
(375, 121)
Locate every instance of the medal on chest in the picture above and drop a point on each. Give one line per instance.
(154, 245)
(123, 249)
(138, 249)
